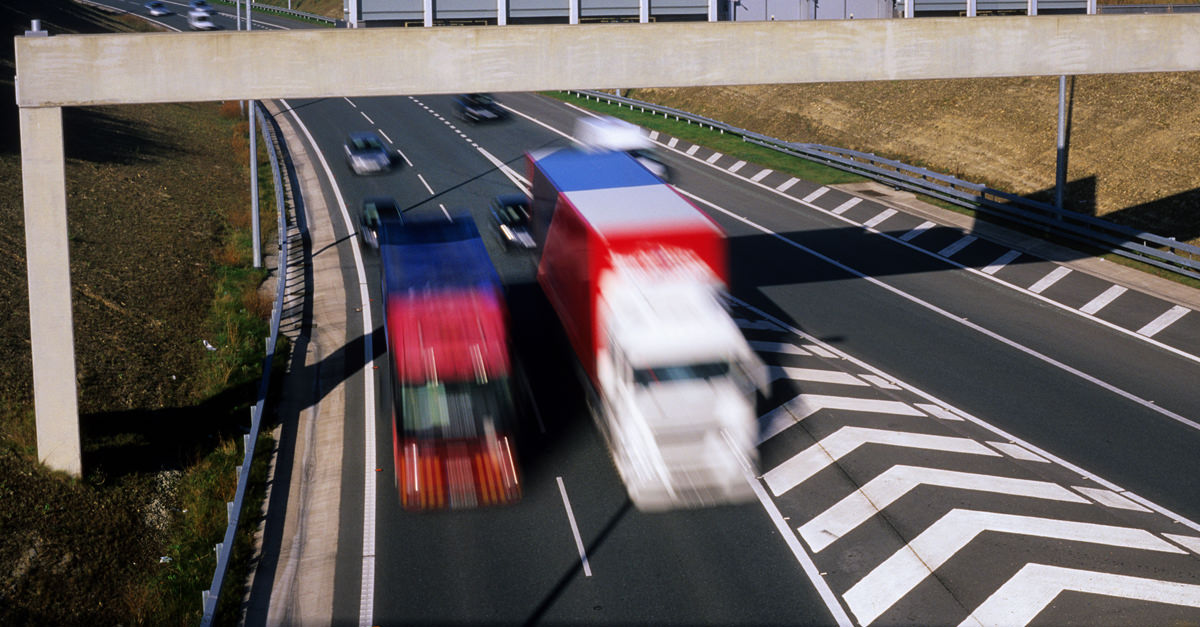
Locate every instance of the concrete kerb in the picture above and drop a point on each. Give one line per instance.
(1125, 276)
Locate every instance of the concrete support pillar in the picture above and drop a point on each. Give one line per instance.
(909, 10)
(43, 181)
(1031, 8)
(501, 12)
(1091, 7)
(427, 6)
(712, 11)
(644, 11)
(573, 11)
(971, 8)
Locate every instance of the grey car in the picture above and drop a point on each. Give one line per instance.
(367, 154)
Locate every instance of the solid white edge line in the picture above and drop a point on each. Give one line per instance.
(955, 318)
(366, 607)
(562, 489)
(802, 557)
(516, 179)
(900, 239)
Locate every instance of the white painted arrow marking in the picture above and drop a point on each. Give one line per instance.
(1035, 586)
(800, 467)
(895, 482)
(908, 567)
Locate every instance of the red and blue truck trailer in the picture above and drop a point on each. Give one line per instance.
(447, 331)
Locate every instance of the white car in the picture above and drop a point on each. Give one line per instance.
(199, 20)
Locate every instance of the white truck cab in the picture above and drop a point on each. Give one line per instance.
(679, 382)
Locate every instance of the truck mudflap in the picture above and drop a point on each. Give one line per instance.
(456, 474)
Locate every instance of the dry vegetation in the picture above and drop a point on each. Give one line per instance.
(157, 197)
(1134, 139)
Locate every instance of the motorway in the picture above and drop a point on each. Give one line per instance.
(957, 432)
(1011, 445)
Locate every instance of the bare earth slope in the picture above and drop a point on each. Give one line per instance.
(1134, 139)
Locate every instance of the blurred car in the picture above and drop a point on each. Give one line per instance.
(366, 154)
(157, 9)
(200, 20)
(368, 218)
(199, 5)
(510, 212)
(478, 108)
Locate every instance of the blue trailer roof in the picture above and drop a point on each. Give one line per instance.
(578, 170)
(435, 253)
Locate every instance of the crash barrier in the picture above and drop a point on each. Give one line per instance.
(1156, 250)
(225, 548)
(270, 8)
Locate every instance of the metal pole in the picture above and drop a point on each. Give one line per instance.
(1060, 175)
(254, 191)
(253, 165)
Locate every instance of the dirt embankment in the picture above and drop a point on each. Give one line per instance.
(1134, 139)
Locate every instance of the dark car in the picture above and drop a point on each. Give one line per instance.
(369, 218)
(478, 108)
(511, 215)
(367, 154)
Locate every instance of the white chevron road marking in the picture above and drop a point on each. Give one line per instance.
(895, 482)
(1035, 586)
(777, 347)
(805, 405)
(908, 567)
(800, 467)
(814, 375)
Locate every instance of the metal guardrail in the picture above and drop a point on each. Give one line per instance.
(1156, 250)
(270, 8)
(225, 548)
(1125, 9)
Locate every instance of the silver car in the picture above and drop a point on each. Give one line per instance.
(157, 9)
(366, 154)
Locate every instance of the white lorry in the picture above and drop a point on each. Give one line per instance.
(635, 273)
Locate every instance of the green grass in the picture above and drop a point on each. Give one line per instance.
(725, 143)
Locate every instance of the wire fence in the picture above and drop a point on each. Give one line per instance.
(225, 548)
(1163, 252)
